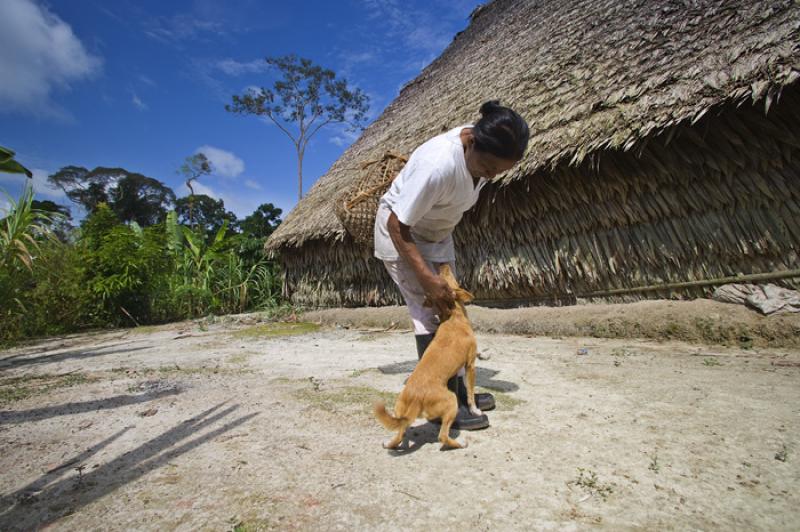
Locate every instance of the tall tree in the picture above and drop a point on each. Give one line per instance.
(208, 214)
(310, 97)
(141, 199)
(132, 196)
(263, 221)
(192, 168)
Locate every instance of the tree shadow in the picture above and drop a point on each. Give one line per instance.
(484, 377)
(20, 360)
(38, 414)
(54, 496)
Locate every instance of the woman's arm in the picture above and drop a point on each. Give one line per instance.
(439, 293)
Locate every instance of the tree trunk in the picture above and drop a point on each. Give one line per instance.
(299, 175)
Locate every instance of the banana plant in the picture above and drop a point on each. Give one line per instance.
(9, 165)
(21, 230)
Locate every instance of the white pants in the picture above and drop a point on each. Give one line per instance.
(425, 319)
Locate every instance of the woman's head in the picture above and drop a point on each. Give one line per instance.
(498, 142)
(501, 132)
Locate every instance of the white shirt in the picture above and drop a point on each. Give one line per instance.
(430, 195)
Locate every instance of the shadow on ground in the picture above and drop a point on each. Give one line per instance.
(39, 414)
(55, 495)
(25, 359)
(483, 376)
(417, 437)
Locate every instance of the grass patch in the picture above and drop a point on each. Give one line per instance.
(503, 401)
(146, 329)
(587, 479)
(18, 388)
(277, 329)
(347, 399)
(239, 358)
(253, 526)
(372, 336)
(711, 362)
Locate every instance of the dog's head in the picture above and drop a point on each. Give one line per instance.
(462, 295)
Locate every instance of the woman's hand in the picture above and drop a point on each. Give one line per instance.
(439, 295)
(437, 292)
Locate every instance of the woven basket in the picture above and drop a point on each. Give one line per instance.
(357, 206)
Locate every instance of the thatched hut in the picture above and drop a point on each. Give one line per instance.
(664, 158)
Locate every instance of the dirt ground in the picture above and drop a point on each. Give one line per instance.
(250, 426)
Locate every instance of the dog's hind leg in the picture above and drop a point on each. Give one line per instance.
(406, 414)
(448, 416)
(398, 438)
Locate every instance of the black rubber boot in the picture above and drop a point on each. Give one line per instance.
(465, 420)
(484, 401)
(423, 341)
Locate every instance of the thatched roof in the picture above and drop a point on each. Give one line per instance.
(587, 75)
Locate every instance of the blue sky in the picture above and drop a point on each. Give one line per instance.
(143, 84)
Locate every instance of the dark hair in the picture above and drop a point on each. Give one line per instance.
(501, 132)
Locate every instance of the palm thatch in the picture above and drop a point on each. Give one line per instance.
(649, 161)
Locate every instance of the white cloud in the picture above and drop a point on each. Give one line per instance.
(147, 81)
(223, 163)
(5, 206)
(237, 68)
(43, 188)
(344, 138)
(240, 204)
(139, 103)
(249, 183)
(419, 29)
(39, 53)
(182, 27)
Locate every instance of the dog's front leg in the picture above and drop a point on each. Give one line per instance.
(470, 381)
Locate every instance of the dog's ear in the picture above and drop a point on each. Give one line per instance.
(463, 296)
(444, 270)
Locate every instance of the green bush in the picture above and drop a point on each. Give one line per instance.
(116, 274)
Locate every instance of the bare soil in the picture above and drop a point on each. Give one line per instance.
(249, 426)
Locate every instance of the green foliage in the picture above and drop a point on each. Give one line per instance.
(132, 196)
(21, 230)
(118, 274)
(9, 165)
(203, 213)
(263, 221)
(24, 236)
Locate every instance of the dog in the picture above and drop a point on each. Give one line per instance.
(425, 393)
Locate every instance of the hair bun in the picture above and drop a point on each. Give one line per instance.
(492, 106)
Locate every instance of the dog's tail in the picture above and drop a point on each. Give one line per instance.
(386, 419)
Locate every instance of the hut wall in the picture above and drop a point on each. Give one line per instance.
(714, 199)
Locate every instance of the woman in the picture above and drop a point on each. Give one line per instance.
(416, 217)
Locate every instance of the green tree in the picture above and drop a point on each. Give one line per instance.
(133, 196)
(263, 221)
(60, 217)
(193, 167)
(208, 214)
(310, 97)
(141, 199)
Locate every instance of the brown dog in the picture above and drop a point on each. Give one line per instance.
(426, 393)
